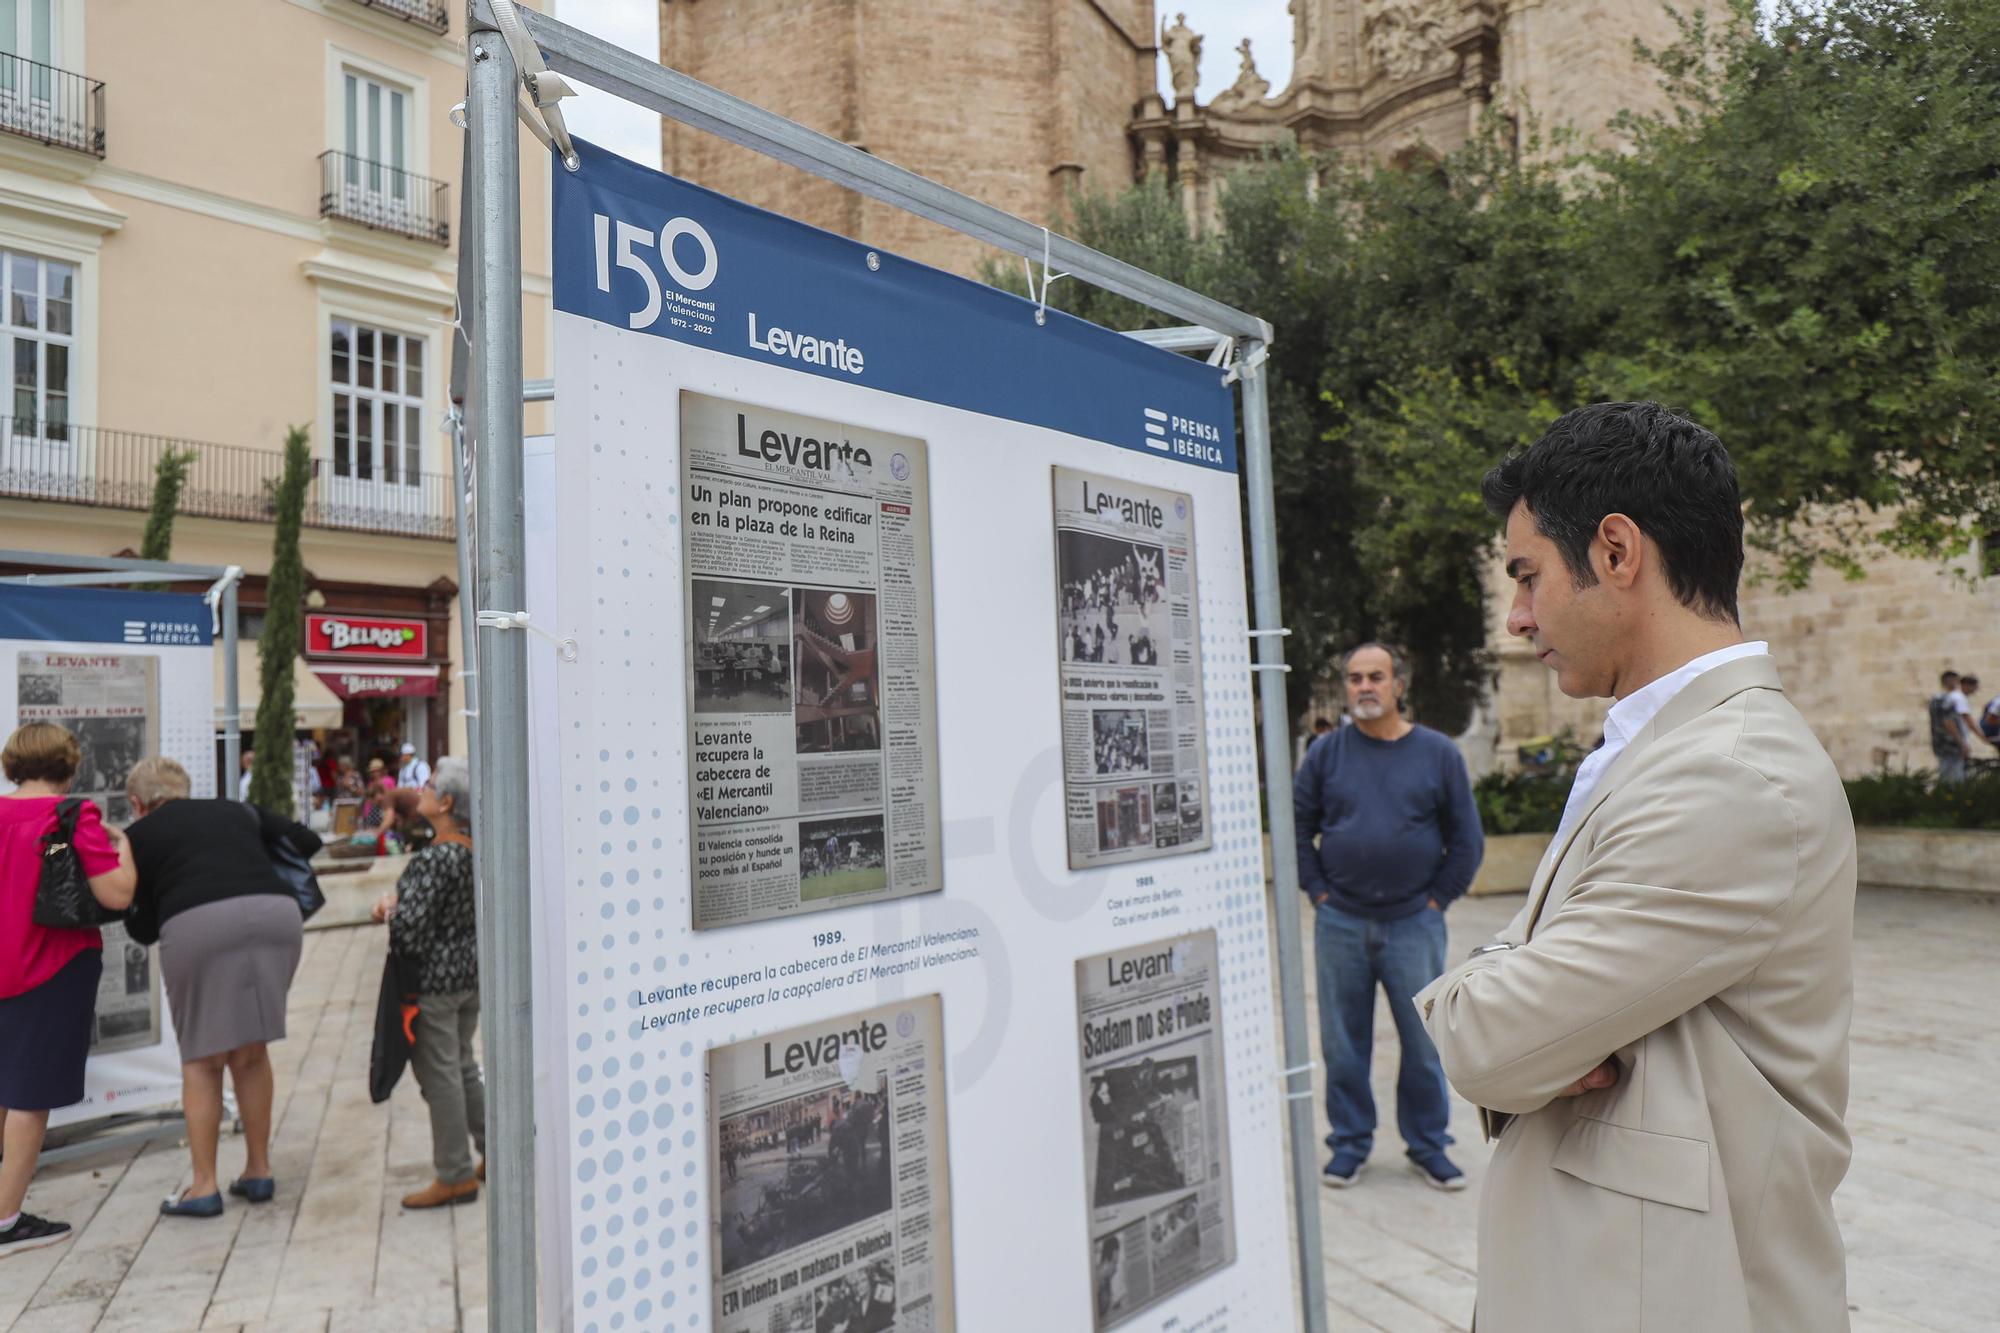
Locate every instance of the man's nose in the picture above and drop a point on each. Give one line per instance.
(1520, 621)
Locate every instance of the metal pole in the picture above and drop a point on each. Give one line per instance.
(1284, 850)
(232, 711)
(506, 1004)
(468, 619)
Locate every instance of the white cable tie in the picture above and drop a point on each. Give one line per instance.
(1269, 666)
(468, 712)
(566, 649)
(1042, 295)
(1305, 1068)
(1261, 633)
(1299, 1096)
(463, 675)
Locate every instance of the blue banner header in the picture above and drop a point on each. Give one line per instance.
(104, 615)
(638, 249)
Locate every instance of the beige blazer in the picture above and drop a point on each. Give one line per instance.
(1697, 923)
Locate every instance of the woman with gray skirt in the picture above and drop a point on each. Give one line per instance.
(229, 933)
(433, 923)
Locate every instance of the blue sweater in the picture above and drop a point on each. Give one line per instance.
(1395, 822)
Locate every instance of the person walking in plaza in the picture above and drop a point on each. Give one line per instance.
(1659, 1039)
(1976, 718)
(432, 922)
(1951, 728)
(48, 977)
(229, 932)
(1398, 841)
(415, 772)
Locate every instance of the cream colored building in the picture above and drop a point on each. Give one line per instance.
(220, 219)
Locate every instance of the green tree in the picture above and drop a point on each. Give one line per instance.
(278, 645)
(1801, 253)
(170, 474)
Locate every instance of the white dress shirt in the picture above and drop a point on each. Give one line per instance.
(1629, 716)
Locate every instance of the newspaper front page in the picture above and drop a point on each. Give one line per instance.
(812, 762)
(829, 1186)
(1135, 741)
(1155, 1122)
(110, 703)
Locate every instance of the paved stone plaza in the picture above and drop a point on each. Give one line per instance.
(1921, 1208)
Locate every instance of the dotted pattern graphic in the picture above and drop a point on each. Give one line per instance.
(633, 1108)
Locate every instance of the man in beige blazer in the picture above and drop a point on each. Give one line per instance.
(1659, 1039)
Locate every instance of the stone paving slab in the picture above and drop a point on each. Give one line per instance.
(336, 1253)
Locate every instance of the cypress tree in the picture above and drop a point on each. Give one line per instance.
(278, 645)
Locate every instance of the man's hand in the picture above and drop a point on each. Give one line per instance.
(1434, 905)
(1319, 899)
(1601, 1077)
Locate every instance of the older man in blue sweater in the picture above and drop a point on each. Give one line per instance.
(1398, 842)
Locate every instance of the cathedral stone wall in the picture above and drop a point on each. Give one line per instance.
(1013, 102)
(1571, 62)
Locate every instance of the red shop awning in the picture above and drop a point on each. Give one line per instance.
(356, 681)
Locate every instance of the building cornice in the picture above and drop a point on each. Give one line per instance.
(65, 205)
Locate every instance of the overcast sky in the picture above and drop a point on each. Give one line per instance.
(635, 25)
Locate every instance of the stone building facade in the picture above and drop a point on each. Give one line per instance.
(1015, 103)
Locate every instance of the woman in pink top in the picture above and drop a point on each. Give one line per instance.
(48, 978)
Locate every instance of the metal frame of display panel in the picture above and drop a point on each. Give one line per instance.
(490, 268)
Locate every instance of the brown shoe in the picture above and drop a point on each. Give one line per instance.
(481, 1171)
(437, 1194)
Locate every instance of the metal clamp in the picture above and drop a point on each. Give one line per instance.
(566, 649)
(1246, 366)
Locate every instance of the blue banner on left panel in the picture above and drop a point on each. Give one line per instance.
(641, 250)
(98, 615)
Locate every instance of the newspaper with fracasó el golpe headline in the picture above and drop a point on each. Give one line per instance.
(1134, 734)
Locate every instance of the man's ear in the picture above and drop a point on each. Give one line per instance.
(1619, 551)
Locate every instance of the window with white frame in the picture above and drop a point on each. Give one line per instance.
(378, 397)
(38, 320)
(375, 129)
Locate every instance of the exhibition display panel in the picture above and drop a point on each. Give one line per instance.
(897, 798)
(129, 674)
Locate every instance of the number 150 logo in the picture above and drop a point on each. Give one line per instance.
(631, 239)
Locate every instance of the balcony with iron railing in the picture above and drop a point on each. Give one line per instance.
(113, 469)
(50, 105)
(382, 198)
(423, 13)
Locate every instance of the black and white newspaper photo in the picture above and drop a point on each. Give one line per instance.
(829, 1188)
(1135, 740)
(1155, 1122)
(110, 703)
(812, 755)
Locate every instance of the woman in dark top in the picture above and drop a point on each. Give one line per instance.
(229, 933)
(433, 923)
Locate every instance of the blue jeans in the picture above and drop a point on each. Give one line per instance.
(1353, 955)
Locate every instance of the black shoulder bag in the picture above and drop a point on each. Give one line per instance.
(63, 900)
(293, 867)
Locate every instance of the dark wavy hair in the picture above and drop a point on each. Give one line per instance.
(1668, 475)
